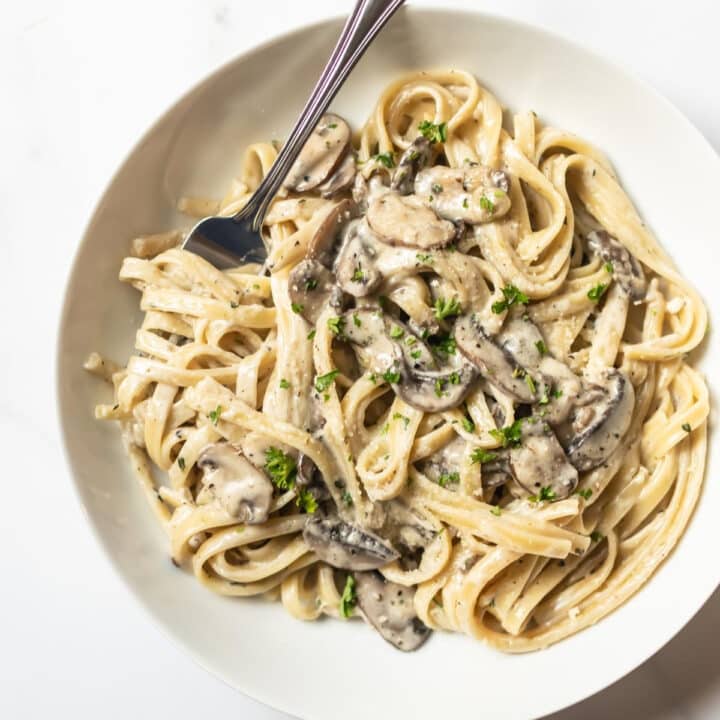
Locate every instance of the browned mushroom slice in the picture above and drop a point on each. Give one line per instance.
(435, 391)
(355, 269)
(599, 420)
(310, 287)
(471, 194)
(323, 241)
(346, 546)
(310, 478)
(241, 489)
(341, 179)
(416, 157)
(321, 155)
(407, 221)
(381, 343)
(539, 462)
(498, 367)
(390, 609)
(626, 269)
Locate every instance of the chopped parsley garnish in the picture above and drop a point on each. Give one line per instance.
(234, 305)
(214, 415)
(510, 435)
(410, 340)
(584, 493)
(512, 296)
(415, 354)
(495, 510)
(347, 498)
(468, 424)
(284, 384)
(332, 126)
(404, 418)
(323, 382)
(384, 429)
(454, 378)
(181, 462)
(385, 159)
(446, 478)
(608, 267)
(358, 275)
(306, 501)
(446, 345)
(439, 386)
(480, 455)
(596, 536)
(544, 399)
(530, 383)
(311, 284)
(597, 292)
(348, 599)
(487, 204)
(541, 347)
(556, 393)
(446, 308)
(281, 468)
(311, 334)
(391, 376)
(434, 133)
(396, 332)
(424, 258)
(686, 427)
(297, 307)
(372, 377)
(546, 493)
(356, 320)
(336, 325)
(466, 204)
(437, 189)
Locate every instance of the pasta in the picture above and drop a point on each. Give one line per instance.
(456, 397)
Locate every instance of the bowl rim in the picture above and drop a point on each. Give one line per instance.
(573, 696)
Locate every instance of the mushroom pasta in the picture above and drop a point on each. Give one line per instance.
(456, 396)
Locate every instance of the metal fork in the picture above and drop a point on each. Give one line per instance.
(228, 242)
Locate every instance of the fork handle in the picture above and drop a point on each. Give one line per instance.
(365, 22)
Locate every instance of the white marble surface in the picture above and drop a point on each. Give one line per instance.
(81, 80)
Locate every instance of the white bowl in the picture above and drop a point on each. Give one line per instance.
(329, 669)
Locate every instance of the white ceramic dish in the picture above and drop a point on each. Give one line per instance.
(329, 669)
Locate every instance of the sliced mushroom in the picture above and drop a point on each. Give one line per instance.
(540, 462)
(367, 331)
(435, 391)
(407, 221)
(347, 546)
(321, 155)
(406, 528)
(625, 267)
(355, 268)
(241, 489)
(472, 194)
(498, 366)
(599, 420)
(522, 340)
(414, 159)
(427, 390)
(559, 389)
(390, 609)
(311, 479)
(310, 287)
(322, 243)
(341, 179)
